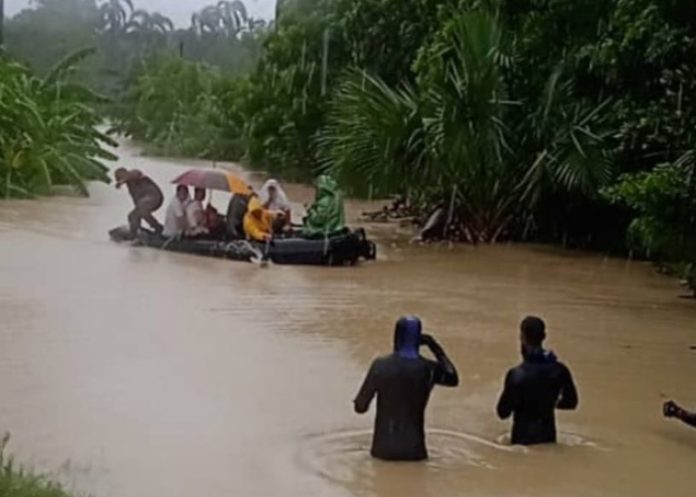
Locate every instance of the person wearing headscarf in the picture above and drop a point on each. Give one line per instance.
(258, 222)
(273, 196)
(402, 382)
(326, 215)
(274, 199)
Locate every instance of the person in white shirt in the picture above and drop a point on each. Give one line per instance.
(195, 214)
(175, 219)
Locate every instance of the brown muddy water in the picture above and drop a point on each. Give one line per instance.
(128, 372)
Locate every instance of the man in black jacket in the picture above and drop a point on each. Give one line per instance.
(402, 382)
(536, 388)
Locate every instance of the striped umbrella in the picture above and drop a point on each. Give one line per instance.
(213, 179)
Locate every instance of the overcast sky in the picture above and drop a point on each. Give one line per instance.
(178, 10)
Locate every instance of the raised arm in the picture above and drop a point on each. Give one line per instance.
(672, 410)
(447, 373)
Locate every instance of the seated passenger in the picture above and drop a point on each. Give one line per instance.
(195, 214)
(258, 222)
(175, 218)
(236, 210)
(274, 199)
(326, 215)
(214, 222)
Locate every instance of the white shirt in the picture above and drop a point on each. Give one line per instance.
(175, 218)
(195, 215)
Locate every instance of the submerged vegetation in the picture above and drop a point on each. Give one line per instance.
(549, 120)
(15, 482)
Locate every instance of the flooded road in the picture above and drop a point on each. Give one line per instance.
(131, 372)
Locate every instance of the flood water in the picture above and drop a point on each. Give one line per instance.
(131, 372)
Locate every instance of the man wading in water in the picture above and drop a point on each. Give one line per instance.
(536, 388)
(146, 196)
(402, 382)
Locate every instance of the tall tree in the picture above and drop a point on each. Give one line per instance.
(114, 14)
(2, 21)
(233, 16)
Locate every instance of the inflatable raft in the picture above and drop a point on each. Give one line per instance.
(343, 249)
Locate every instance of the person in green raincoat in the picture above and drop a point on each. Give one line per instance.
(326, 215)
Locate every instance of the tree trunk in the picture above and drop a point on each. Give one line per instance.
(2, 22)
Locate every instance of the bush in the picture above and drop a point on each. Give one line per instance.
(48, 132)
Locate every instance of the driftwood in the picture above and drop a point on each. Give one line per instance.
(399, 209)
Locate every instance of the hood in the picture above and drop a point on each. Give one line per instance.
(407, 336)
(254, 205)
(541, 356)
(326, 185)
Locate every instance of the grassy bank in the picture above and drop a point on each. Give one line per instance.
(15, 482)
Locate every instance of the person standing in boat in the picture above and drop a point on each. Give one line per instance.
(326, 215)
(175, 217)
(402, 382)
(274, 199)
(536, 388)
(258, 222)
(147, 198)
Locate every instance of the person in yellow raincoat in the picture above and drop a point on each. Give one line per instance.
(258, 222)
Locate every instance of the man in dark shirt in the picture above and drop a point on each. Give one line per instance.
(402, 382)
(536, 388)
(673, 410)
(147, 198)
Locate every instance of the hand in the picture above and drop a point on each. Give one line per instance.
(267, 238)
(427, 340)
(671, 409)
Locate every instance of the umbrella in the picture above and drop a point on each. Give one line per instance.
(213, 179)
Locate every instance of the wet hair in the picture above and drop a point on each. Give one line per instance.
(533, 330)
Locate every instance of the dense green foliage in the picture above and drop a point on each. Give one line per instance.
(555, 120)
(15, 482)
(665, 201)
(48, 134)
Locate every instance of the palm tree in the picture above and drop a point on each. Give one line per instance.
(227, 17)
(146, 23)
(233, 16)
(148, 28)
(207, 21)
(454, 138)
(114, 15)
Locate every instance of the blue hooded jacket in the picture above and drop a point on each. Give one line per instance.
(407, 337)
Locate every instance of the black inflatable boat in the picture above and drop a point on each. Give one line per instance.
(343, 249)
